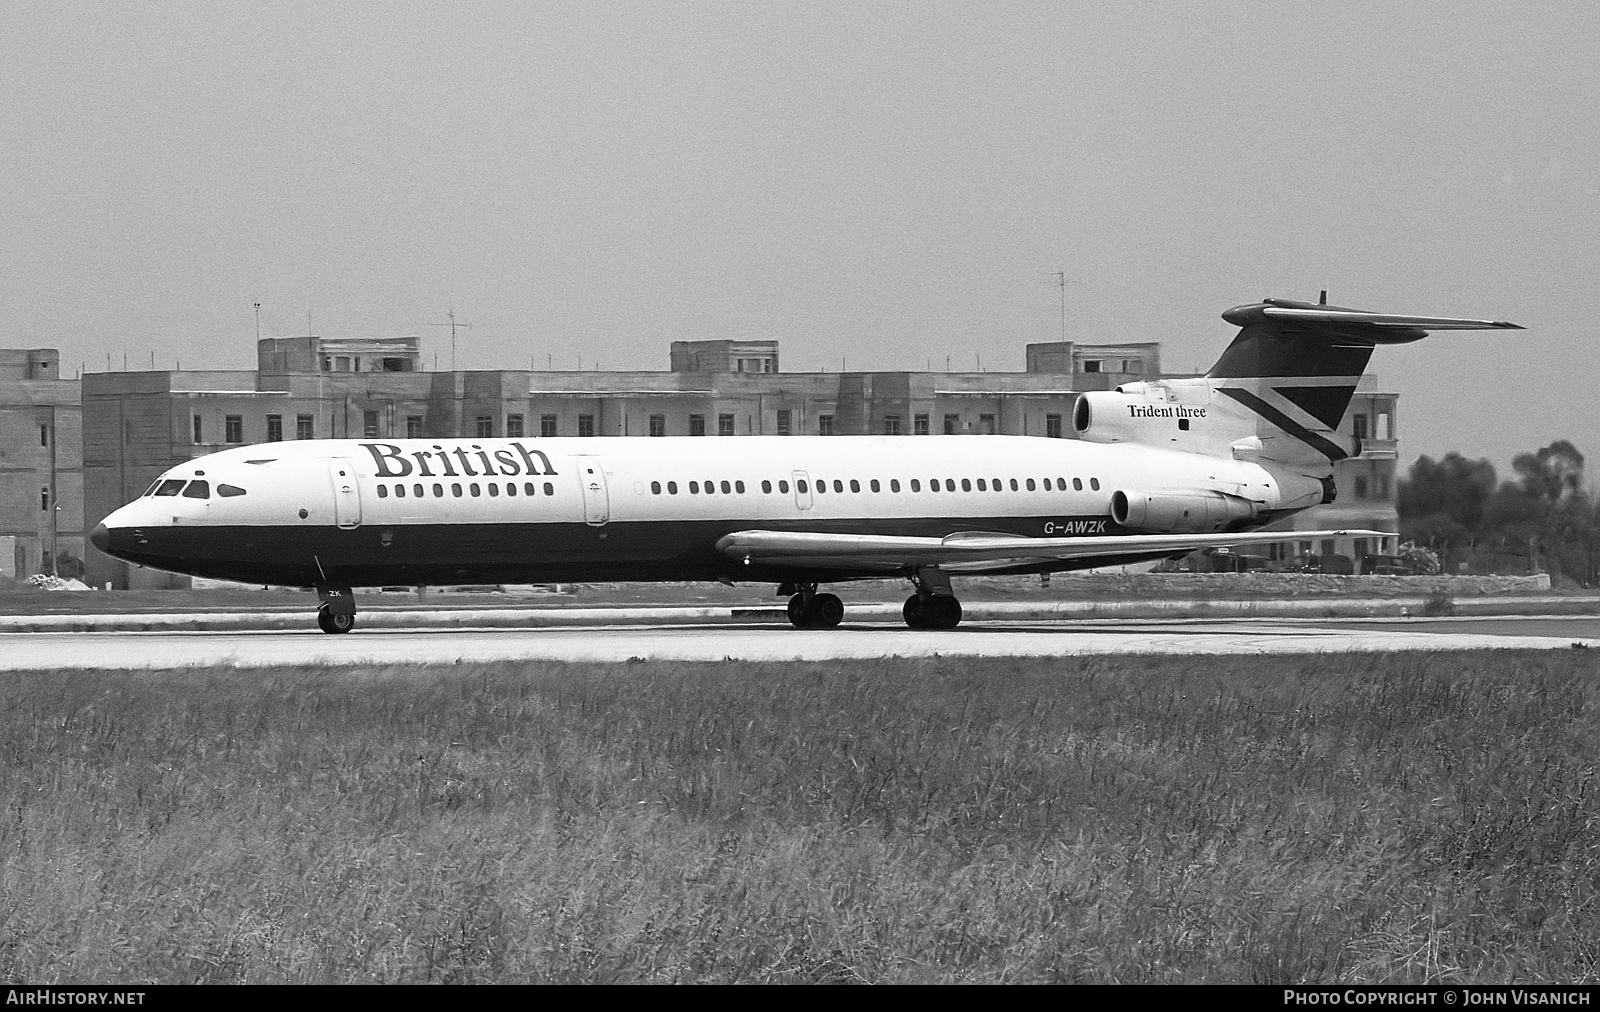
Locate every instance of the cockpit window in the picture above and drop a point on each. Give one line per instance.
(229, 491)
(152, 489)
(171, 486)
(198, 490)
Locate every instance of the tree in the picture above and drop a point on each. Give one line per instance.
(1441, 503)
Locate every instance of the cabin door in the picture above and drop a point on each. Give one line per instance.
(802, 489)
(596, 501)
(346, 493)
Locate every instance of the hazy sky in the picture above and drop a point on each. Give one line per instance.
(882, 184)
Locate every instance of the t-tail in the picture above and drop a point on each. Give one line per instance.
(1276, 396)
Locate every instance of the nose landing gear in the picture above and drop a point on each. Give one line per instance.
(336, 609)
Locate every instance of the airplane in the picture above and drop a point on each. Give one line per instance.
(1158, 469)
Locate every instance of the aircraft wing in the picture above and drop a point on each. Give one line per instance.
(974, 552)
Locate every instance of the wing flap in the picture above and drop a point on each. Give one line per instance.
(886, 553)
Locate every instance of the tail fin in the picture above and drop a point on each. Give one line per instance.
(1295, 365)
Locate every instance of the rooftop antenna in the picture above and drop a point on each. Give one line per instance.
(258, 323)
(453, 324)
(1061, 282)
(1323, 301)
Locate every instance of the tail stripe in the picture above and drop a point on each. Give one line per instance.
(1323, 446)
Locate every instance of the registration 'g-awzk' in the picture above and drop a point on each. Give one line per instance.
(1159, 468)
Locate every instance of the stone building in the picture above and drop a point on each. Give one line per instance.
(41, 474)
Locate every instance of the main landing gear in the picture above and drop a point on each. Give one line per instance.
(934, 605)
(811, 610)
(336, 609)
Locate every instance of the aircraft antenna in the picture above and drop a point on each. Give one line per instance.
(453, 324)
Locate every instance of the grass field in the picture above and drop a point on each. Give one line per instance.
(1349, 818)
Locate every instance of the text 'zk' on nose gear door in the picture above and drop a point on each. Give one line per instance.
(596, 501)
(346, 493)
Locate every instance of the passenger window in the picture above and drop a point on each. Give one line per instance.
(511, 488)
(838, 486)
(738, 487)
(399, 491)
(455, 489)
(672, 488)
(997, 485)
(438, 491)
(966, 485)
(1047, 484)
(933, 484)
(494, 489)
(916, 486)
(527, 488)
(1077, 485)
(549, 489)
(1030, 485)
(474, 489)
(822, 485)
(800, 486)
(383, 491)
(727, 489)
(1094, 483)
(1061, 483)
(694, 488)
(983, 486)
(874, 486)
(766, 486)
(855, 486)
(229, 491)
(894, 484)
(655, 488)
(1013, 484)
(783, 486)
(416, 490)
(198, 490)
(172, 486)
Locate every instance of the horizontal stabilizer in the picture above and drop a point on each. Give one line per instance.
(891, 554)
(1381, 320)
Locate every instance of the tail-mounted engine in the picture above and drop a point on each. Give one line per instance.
(1181, 511)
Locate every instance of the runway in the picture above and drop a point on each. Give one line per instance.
(779, 642)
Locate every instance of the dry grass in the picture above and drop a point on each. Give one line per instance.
(1265, 819)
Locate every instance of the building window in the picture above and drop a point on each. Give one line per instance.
(952, 424)
(305, 427)
(547, 425)
(274, 428)
(342, 363)
(1382, 429)
(198, 430)
(697, 425)
(919, 425)
(485, 427)
(514, 426)
(891, 425)
(1361, 487)
(1091, 365)
(1358, 426)
(785, 426)
(44, 435)
(369, 424)
(233, 428)
(44, 497)
(986, 425)
(585, 425)
(413, 426)
(658, 425)
(824, 425)
(1052, 426)
(724, 425)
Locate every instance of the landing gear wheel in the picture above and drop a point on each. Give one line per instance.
(826, 611)
(797, 612)
(329, 622)
(914, 613)
(934, 612)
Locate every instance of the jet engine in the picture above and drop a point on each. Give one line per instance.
(1184, 511)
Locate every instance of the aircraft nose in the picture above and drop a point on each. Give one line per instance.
(100, 537)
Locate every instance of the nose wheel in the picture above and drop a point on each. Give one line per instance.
(336, 609)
